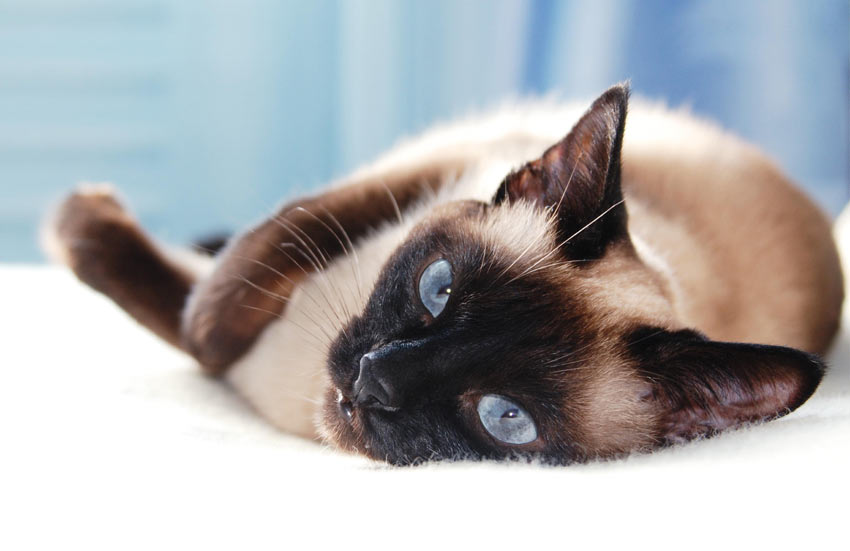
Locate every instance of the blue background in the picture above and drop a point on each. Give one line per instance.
(207, 113)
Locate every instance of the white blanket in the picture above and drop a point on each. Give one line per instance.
(113, 440)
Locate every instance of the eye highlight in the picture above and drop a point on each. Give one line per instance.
(435, 286)
(505, 420)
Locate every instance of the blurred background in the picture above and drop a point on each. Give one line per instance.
(206, 113)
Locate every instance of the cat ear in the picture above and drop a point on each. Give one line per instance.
(579, 179)
(700, 387)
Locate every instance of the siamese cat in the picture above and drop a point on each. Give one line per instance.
(495, 289)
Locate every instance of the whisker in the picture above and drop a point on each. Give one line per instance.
(606, 211)
(270, 294)
(358, 275)
(317, 263)
(341, 244)
(551, 218)
(518, 258)
(249, 307)
(320, 268)
(327, 299)
(334, 321)
(395, 203)
(567, 240)
(301, 397)
(321, 345)
(569, 181)
(554, 264)
(303, 288)
(653, 334)
(284, 300)
(529, 271)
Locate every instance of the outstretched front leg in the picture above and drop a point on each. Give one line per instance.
(217, 318)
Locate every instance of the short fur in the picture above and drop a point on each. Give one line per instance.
(609, 285)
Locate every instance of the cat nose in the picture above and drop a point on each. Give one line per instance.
(370, 390)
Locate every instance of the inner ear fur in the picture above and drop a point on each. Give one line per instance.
(700, 387)
(578, 179)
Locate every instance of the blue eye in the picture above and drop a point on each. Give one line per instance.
(506, 420)
(435, 286)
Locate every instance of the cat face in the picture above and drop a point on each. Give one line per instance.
(529, 327)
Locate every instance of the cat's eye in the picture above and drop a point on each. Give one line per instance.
(506, 420)
(435, 286)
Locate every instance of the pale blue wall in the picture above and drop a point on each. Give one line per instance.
(207, 113)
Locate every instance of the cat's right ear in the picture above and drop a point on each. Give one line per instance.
(578, 179)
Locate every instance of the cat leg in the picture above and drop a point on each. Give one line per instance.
(257, 272)
(94, 235)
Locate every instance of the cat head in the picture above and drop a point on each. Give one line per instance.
(528, 326)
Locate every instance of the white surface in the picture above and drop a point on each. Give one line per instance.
(112, 440)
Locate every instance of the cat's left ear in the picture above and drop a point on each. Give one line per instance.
(579, 179)
(698, 387)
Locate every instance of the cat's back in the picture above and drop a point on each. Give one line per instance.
(751, 257)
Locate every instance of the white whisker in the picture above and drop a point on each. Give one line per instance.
(318, 265)
(345, 250)
(282, 249)
(569, 181)
(567, 240)
(321, 291)
(395, 203)
(358, 275)
(284, 300)
(606, 211)
(319, 345)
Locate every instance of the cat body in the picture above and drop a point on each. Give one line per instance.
(645, 243)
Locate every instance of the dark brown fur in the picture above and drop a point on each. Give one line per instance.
(109, 252)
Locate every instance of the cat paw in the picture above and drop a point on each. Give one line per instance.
(84, 221)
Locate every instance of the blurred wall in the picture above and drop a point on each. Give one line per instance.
(207, 113)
